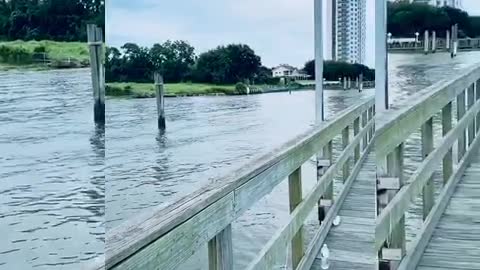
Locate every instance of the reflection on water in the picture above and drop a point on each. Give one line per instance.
(205, 137)
(408, 74)
(52, 179)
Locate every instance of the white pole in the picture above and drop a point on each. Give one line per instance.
(425, 42)
(447, 42)
(319, 112)
(434, 41)
(381, 57)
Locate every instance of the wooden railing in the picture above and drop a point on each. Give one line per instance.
(164, 238)
(395, 194)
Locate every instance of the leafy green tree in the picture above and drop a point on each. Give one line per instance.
(230, 64)
(333, 70)
(62, 20)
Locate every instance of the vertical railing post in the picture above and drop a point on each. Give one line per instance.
(389, 182)
(462, 137)
(446, 127)
(447, 42)
(364, 124)
(356, 130)
(95, 42)
(477, 98)
(160, 100)
(322, 166)
(371, 115)
(220, 250)
(470, 102)
(345, 143)
(295, 196)
(397, 238)
(427, 148)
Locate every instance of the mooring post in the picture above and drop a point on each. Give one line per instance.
(434, 41)
(95, 42)
(447, 41)
(360, 84)
(158, 79)
(381, 57)
(425, 42)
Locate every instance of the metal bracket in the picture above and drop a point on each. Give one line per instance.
(323, 163)
(390, 183)
(392, 254)
(325, 202)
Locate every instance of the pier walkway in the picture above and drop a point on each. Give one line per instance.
(448, 237)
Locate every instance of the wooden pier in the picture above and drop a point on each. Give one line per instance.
(164, 238)
(441, 45)
(447, 239)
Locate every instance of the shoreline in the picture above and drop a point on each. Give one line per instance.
(133, 93)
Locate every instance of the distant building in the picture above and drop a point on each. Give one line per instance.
(440, 3)
(287, 71)
(346, 30)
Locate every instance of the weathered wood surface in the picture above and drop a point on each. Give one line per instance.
(455, 242)
(351, 243)
(395, 127)
(163, 238)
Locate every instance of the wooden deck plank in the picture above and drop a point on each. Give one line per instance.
(351, 244)
(455, 243)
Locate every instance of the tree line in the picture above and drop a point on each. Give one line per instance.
(405, 19)
(59, 20)
(177, 62)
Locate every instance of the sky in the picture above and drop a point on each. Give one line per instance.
(280, 31)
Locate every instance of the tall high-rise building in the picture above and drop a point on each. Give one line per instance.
(346, 30)
(440, 3)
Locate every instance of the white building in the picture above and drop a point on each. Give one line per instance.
(287, 71)
(346, 30)
(440, 3)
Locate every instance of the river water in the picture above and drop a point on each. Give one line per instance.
(54, 163)
(52, 171)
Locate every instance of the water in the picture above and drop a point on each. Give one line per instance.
(52, 179)
(409, 73)
(53, 160)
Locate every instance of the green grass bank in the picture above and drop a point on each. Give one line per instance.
(146, 90)
(43, 54)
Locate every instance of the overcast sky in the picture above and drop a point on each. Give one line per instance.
(280, 31)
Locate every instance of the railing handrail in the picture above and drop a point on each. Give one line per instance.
(228, 196)
(394, 193)
(418, 108)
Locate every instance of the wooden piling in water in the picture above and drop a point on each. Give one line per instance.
(360, 85)
(434, 41)
(160, 93)
(95, 42)
(425, 42)
(447, 42)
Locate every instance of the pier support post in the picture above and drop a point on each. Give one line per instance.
(295, 197)
(95, 42)
(447, 166)
(462, 138)
(160, 100)
(434, 42)
(220, 250)
(427, 148)
(381, 57)
(426, 42)
(447, 41)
